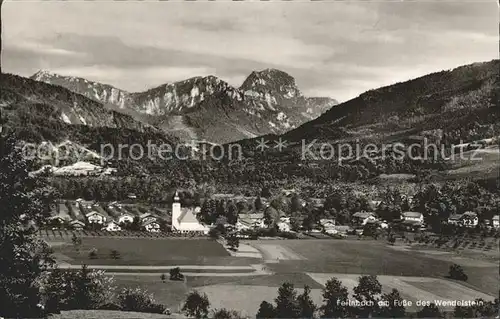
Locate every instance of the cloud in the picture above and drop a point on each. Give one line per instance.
(331, 48)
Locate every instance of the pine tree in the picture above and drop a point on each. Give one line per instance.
(306, 305)
(334, 299)
(286, 302)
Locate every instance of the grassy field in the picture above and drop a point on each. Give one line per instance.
(375, 257)
(418, 274)
(137, 251)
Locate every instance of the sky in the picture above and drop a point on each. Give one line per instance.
(335, 49)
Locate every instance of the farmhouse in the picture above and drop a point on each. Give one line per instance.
(151, 226)
(412, 217)
(125, 218)
(95, 217)
(146, 217)
(251, 220)
(112, 226)
(284, 224)
(76, 224)
(363, 217)
(470, 219)
(184, 219)
(495, 222)
(327, 224)
(467, 219)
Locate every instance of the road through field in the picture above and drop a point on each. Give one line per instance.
(252, 270)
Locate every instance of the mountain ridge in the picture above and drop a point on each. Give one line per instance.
(269, 97)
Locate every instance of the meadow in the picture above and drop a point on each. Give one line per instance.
(143, 251)
(416, 273)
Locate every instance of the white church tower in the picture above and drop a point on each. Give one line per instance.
(176, 212)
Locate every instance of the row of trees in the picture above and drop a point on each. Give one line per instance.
(369, 302)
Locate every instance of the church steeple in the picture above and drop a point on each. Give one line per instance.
(176, 197)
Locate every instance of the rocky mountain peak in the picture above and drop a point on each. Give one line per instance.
(271, 84)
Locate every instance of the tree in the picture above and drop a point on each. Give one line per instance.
(295, 204)
(258, 205)
(233, 242)
(306, 305)
(24, 200)
(286, 302)
(457, 272)
(368, 292)
(138, 300)
(175, 274)
(430, 311)
(77, 241)
(115, 254)
(266, 310)
(196, 305)
(334, 299)
(93, 254)
(480, 309)
(395, 307)
(214, 233)
(163, 277)
(232, 213)
(226, 314)
(391, 239)
(265, 192)
(136, 224)
(85, 289)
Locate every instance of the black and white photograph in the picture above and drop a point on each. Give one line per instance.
(198, 159)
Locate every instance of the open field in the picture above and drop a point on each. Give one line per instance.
(141, 251)
(375, 257)
(481, 163)
(229, 282)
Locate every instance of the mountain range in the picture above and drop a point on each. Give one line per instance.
(208, 108)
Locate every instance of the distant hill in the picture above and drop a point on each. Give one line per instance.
(208, 108)
(454, 104)
(38, 112)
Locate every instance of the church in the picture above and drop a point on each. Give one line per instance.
(184, 219)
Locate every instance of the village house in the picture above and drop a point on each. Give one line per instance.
(467, 219)
(112, 226)
(251, 220)
(361, 218)
(77, 224)
(495, 221)
(284, 224)
(146, 217)
(413, 217)
(151, 226)
(470, 219)
(125, 218)
(327, 224)
(95, 217)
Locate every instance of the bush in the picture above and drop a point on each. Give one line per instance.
(288, 235)
(175, 274)
(115, 254)
(93, 254)
(139, 300)
(457, 272)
